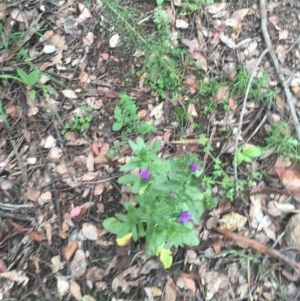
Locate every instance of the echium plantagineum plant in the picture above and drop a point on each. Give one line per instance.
(170, 200)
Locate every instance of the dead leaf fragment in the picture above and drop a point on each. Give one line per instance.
(79, 264)
(229, 42)
(89, 231)
(70, 249)
(186, 281)
(216, 8)
(292, 232)
(16, 276)
(62, 285)
(233, 221)
(84, 13)
(90, 162)
(69, 94)
(124, 281)
(114, 41)
(170, 290)
(75, 290)
(289, 174)
(181, 24)
(88, 39)
(55, 264)
(89, 176)
(17, 15)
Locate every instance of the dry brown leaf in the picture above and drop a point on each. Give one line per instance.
(32, 194)
(114, 41)
(152, 292)
(99, 188)
(222, 94)
(55, 264)
(95, 148)
(79, 264)
(233, 221)
(90, 162)
(150, 265)
(89, 176)
(55, 153)
(17, 15)
(70, 249)
(124, 281)
(84, 13)
(68, 93)
(170, 290)
(229, 42)
(89, 231)
(3, 10)
(44, 198)
(289, 174)
(192, 83)
(101, 158)
(186, 281)
(2, 266)
(109, 93)
(216, 8)
(191, 112)
(88, 39)
(37, 236)
(215, 282)
(75, 290)
(83, 77)
(62, 285)
(201, 62)
(292, 232)
(16, 276)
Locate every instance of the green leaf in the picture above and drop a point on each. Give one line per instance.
(23, 75)
(253, 152)
(29, 79)
(240, 158)
(112, 225)
(117, 126)
(165, 256)
(128, 179)
(33, 77)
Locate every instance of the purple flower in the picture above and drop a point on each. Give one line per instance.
(172, 194)
(145, 174)
(195, 167)
(185, 217)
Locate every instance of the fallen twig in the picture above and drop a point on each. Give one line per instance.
(287, 92)
(261, 248)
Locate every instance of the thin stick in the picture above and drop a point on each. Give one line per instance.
(242, 117)
(259, 247)
(287, 92)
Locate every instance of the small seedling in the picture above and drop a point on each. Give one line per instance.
(81, 122)
(248, 153)
(281, 138)
(127, 120)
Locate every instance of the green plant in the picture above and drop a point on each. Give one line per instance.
(81, 122)
(281, 138)
(126, 118)
(162, 59)
(170, 198)
(259, 90)
(246, 153)
(28, 79)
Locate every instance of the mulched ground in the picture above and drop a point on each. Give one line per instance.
(45, 254)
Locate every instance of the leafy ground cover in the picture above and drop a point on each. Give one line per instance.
(148, 150)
